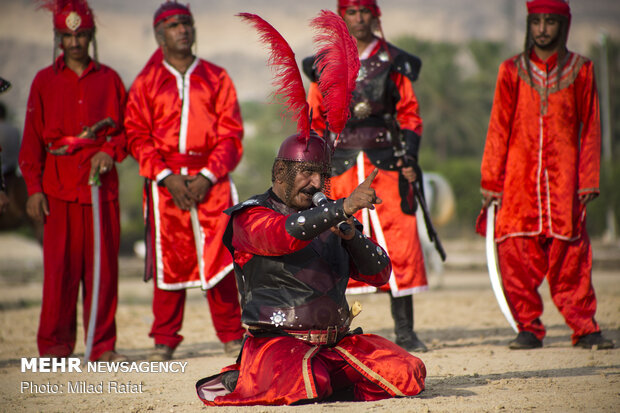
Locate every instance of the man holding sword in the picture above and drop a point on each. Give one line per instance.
(72, 135)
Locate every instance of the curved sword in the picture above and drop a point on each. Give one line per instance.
(494, 273)
(92, 319)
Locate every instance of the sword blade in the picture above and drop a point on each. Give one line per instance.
(494, 273)
(92, 319)
(198, 242)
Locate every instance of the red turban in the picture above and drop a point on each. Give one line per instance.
(70, 16)
(560, 7)
(169, 9)
(371, 5)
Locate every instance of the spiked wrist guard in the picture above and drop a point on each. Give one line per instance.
(368, 257)
(306, 225)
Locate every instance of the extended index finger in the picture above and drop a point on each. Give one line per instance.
(370, 178)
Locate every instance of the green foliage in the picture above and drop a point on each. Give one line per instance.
(613, 62)
(463, 174)
(130, 199)
(455, 91)
(608, 199)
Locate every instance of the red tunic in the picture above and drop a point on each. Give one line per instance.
(61, 104)
(395, 231)
(286, 370)
(543, 147)
(186, 124)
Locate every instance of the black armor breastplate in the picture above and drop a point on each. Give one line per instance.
(304, 290)
(375, 96)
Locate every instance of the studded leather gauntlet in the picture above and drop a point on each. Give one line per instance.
(369, 258)
(306, 225)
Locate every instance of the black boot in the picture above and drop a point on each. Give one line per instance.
(594, 341)
(402, 313)
(525, 340)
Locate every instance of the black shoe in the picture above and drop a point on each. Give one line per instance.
(229, 379)
(594, 341)
(232, 348)
(411, 343)
(161, 352)
(525, 341)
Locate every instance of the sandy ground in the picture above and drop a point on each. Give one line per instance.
(470, 369)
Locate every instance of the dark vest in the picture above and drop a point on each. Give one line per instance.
(304, 290)
(375, 97)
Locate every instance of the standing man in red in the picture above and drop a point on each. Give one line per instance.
(72, 94)
(541, 165)
(184, 127)
(384, 103)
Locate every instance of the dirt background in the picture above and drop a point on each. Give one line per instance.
(470, 368)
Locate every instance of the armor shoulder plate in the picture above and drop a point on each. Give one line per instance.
(307, 65)
(255, 200)
(407, 65)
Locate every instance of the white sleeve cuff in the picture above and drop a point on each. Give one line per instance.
(209, 175)
(163, 175)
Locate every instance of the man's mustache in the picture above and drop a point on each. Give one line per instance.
(310, 191)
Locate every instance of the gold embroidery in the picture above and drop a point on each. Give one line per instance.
(545, 83)
(307, 375)
(376, 377)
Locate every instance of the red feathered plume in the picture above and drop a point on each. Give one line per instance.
(288, 80)
(338, 64)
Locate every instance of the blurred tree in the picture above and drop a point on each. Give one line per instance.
(455, 91)
(609, 199)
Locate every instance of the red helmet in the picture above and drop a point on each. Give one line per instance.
(560, 7)
(169, 9)
(371, 5)
(298, 148)
(70, 16)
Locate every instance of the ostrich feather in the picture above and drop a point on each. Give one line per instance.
(337, 64)
(288, 81)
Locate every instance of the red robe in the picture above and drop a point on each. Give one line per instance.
(286, 370)
(395, 231)
(543, 147)
(186, 124)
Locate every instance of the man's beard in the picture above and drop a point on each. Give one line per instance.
(290, 195)
(553, 43)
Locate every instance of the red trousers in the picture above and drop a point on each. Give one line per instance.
(525, 262)
(67, 262)
(169, 306)
(285, 370)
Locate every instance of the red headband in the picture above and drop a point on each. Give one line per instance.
(560, 7)
(169, 9)
(371, 5)
(70, 16)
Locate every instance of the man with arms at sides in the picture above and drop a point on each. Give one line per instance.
(184, 128)
(384, 103)
(541, 165)
(58, 159)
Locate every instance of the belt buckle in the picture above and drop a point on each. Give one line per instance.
(332, 335)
